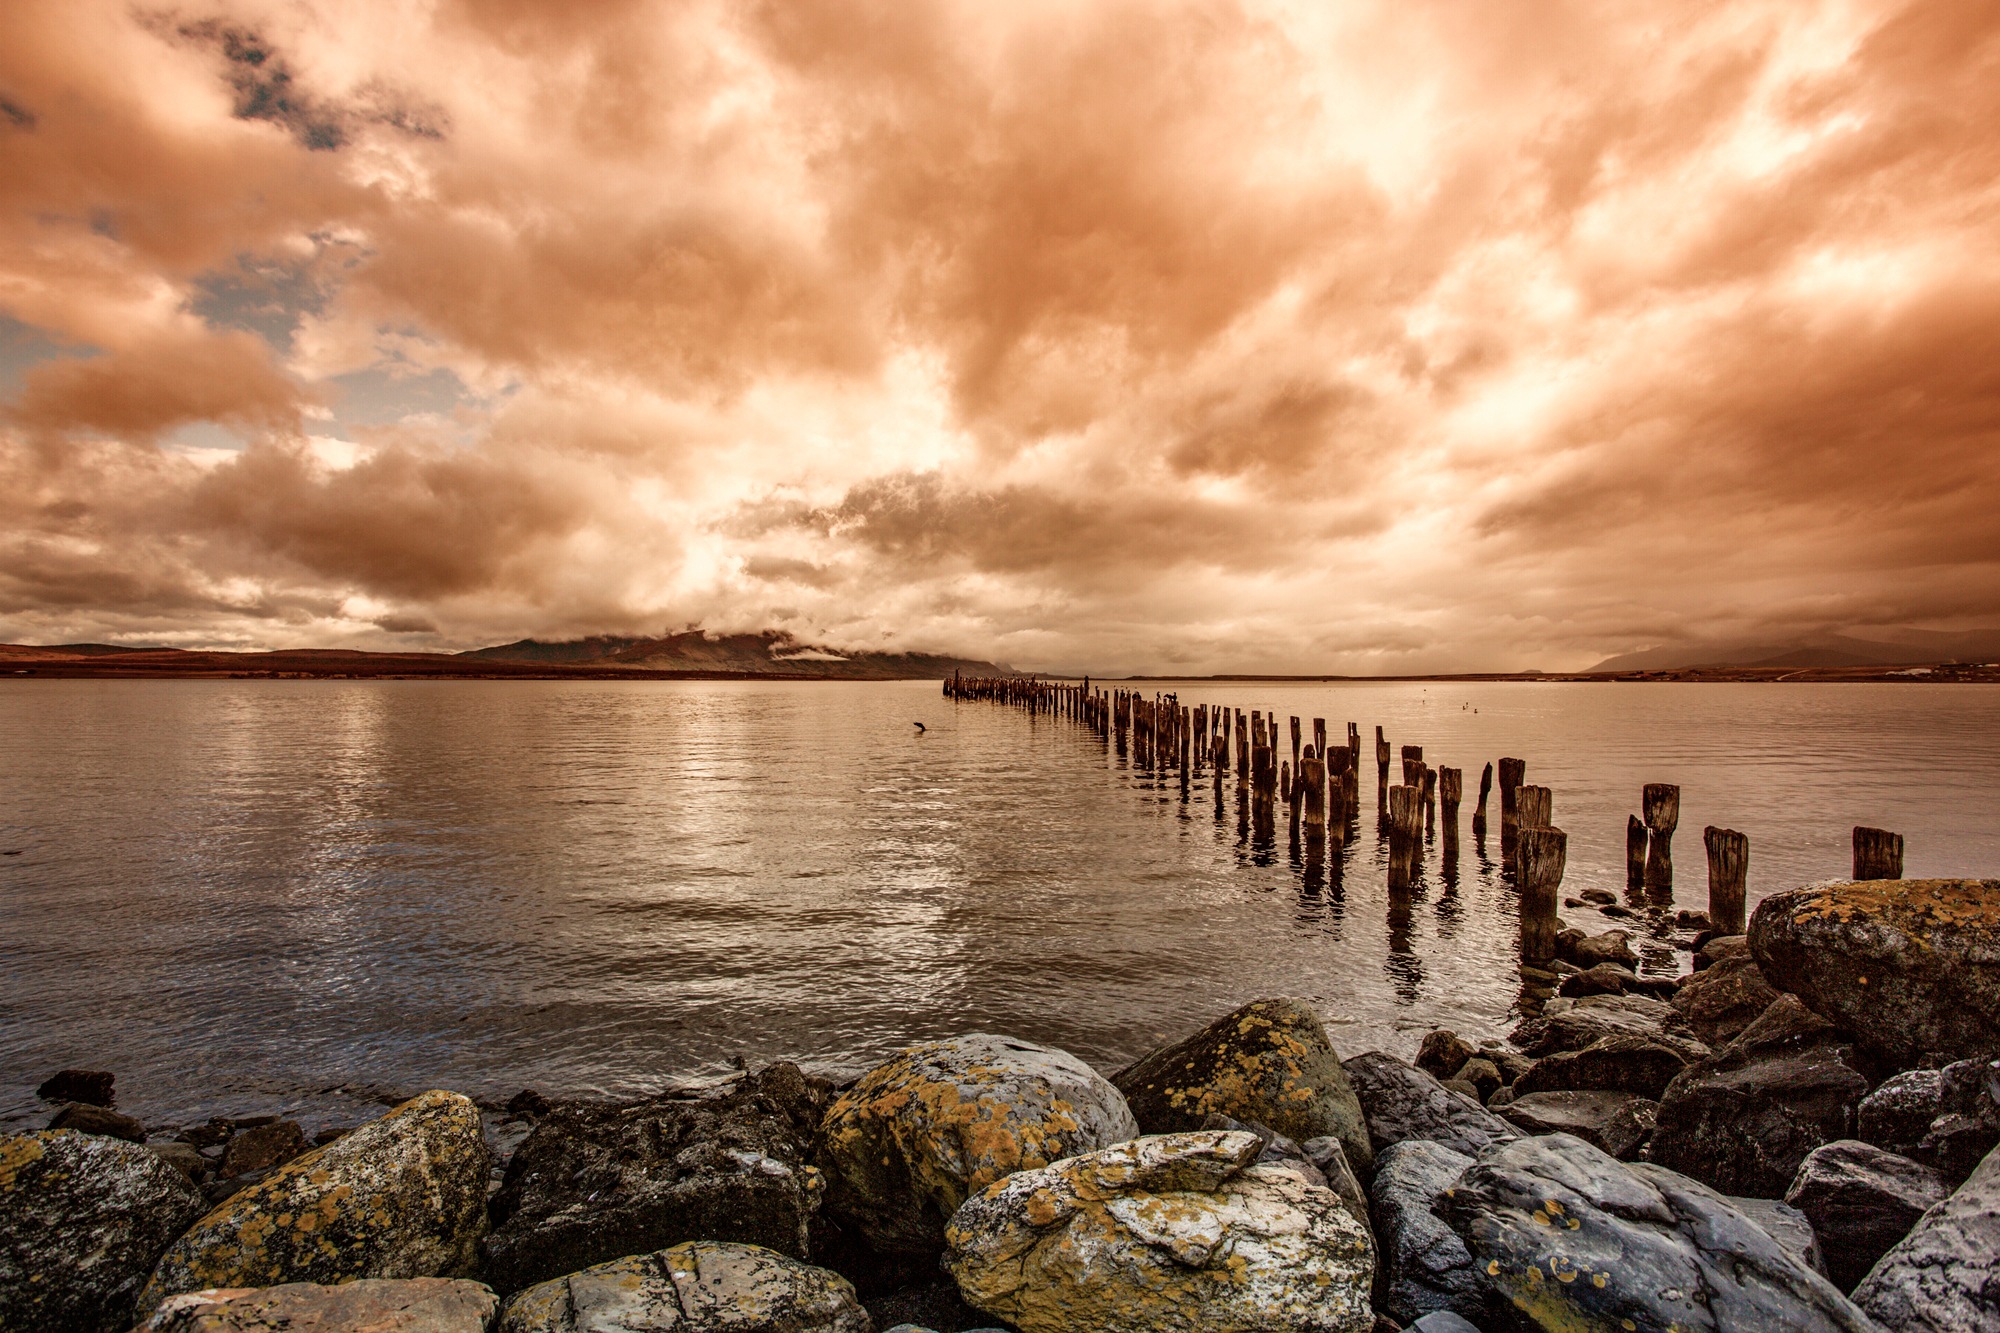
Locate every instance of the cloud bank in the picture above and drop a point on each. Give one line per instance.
(1168, 336)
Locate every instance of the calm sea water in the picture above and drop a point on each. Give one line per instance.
(247, 895)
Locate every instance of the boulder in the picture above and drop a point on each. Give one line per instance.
(371, 1305)
(595, 1181)
(87, 1119)
(1423, 1264)
(1585, 1020)
(1612, 979)
(1268, 1062)
(1786, 1225)
(1578, 1240)
(182, 1157)
(1968, 1122)
(1718, 947)
(82, 1221)
(937, 1306)
(1616, 1122)
(1640, 1065)
(1441, 1053)
(1944, 1277)
(1482, 1076)
(261, 1147)
(1184, 1232)
(1743, 1121)
(1896, 1116)
(90, 1087)
(1403, 1102)
(1863, 1200)
(697, 1287)
(1444, 1321)
(402, 1196)
(1329, 1156)
(1720, 1002)
(917, 1136)
(1910, 967)
(1587, 951)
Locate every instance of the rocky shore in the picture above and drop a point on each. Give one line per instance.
(1801, 1135)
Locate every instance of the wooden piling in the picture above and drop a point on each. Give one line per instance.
(1662, 806)
(1429, 778)
(1381, 771)
(1534, 807)
(1539, 868)
(1635, 852)
(1728, 868)
(1405, 805)
(1479, 811)
(1513, 772)
(1413, 761)
(1878, 853)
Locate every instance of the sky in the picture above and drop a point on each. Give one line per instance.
(1287, 337)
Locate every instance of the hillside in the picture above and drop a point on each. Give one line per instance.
(769, 653)
(1906, 648)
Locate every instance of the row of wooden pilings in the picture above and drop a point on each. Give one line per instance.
(1318, 787)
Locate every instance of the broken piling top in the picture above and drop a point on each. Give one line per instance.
(1513, 772)
(1728, 872)
(1539, 855)
(1878, 853)
(1451, 787)
(1534, 807)
(1662, 803)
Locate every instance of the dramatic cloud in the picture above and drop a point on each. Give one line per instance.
(1192, 336)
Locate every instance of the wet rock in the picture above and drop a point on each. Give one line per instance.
(1896, 1116)
(1268, 1062)
(87, 1087)
(936, 1308)
(1442, 1052)
(83, 1218)
(697, 1287)
(1910, 967)
(262, 1147)
(1717, 1004)
(402, 1196)
(1863, 1200)
(1612, 979)
(1641, 1065)
(1592, 1017)
(1482, 1076)
(1424, 1265)
(183, 1157)
(917, 1136)
(1944, 1277)
(1688, 919)
(1968, 1123)
(1616, 1122)
(1601, 897)
(1174, 1232)
(1718, 947)
(1329, 1156)
(595, 1181)
(1743, 1121)
(1588, 951)
(371, 1305)
(1403, 1102)
(1444, 1321)
(1577, 1240)
(87, 1119)
(1786, 1225)
(1512, 1064)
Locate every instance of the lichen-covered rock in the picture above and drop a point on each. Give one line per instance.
(1617, 1122)
(1181, 1233)
(595, 1181)
(1719, 1002)
(1269, 1062)
(402, 1196)
(1578, 1240)
(697, 1287)
(1403, 1102)
(1944, 1277)
(1423, 1266)
(1863, 1200)
(917, 1136)
(1580, 1022)
(82, 1221)
(1643, 1065)
(372, 1305)
(1910, 967)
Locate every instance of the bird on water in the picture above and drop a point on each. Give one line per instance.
(920, 727)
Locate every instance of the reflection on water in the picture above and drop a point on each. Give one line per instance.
(239, 894)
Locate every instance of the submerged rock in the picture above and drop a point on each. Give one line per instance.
(1944, 1277)
(697, 1287)
(595, 1180)
(913, 1138)
(371, 1305)
(402, 1196)
(1173, 1232)
(1864, 1200)
(1403, 1102)
(83, 1219)
(1910, 967)
(1269, 1062)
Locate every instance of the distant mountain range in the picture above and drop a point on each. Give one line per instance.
(1906, 648)
(769, 653)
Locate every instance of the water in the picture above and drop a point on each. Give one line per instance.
(243, 896)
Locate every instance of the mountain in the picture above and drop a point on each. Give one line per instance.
(1905, 648)
(772, 652)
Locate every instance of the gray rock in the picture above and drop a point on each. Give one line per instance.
(1786, 1225)
(1269, 1062)
(1944, 1277)
(1613, 979)
(1718, 947)
(1717, 1004)
(182, 1157)
(1910, 967)
(1444, 1321)
(597, 1181)
(697, 1287)
(371, 1305)
(92, 1087)
(83, 1218)
(87, 1119)
(915, 1137)
(261, 1147)
(1617, 1122)
(402, 1196)
(1441, 1052)
(1864, 1200)
(1403, 1102)
(1896, 1116)
(1329, 1156)
(1968, 1122)
(1620, 1063)
(1586, 1020)
(1587, 951)
(1422, 1264)
(1578, 1240)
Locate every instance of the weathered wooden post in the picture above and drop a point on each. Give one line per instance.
(1662, 804)
(1513, 772)
(1534, 807)
(1878, 853)
(1381, 771)
(1540, 870)
(1635, 853)
(1338, 806)
(1427, 784)
(1405, 835)
(1295, 745)
(1728, 868)
(1479, 811)
(1451, 790)
(1319, 739)
(1413, 759)
(1312, 790)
